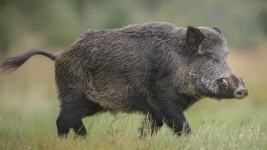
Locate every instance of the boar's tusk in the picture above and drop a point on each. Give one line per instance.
(224, 83)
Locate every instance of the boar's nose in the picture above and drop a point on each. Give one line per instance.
(241, 92)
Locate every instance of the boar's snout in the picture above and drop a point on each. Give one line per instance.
(237, 87)
(240, 92)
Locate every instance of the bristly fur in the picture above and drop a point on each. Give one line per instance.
(157, 69)
(11, 64)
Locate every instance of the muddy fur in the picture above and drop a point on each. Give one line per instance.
(155, 68)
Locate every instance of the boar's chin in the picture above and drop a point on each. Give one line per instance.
(218, 97)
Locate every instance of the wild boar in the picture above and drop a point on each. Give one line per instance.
(155, 68)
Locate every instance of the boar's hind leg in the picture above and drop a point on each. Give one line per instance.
(71, 114)
(150, 125)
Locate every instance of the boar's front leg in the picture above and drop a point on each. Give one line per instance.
(177, 122)
(169, 106)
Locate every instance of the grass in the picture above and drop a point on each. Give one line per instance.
(103, 136)
(29, 109)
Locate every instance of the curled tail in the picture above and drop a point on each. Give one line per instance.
(12, 63)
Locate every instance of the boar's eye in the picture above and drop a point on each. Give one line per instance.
(210, 56)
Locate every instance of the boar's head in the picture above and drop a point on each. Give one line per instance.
(210, 74)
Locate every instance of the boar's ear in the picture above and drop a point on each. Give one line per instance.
(194, 37)
(218, 30)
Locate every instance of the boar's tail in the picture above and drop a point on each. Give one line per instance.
(12, 63)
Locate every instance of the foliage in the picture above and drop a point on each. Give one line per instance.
(36, 23)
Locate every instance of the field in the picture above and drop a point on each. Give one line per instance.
(29, 109)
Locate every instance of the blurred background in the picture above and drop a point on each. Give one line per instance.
(28, 99)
